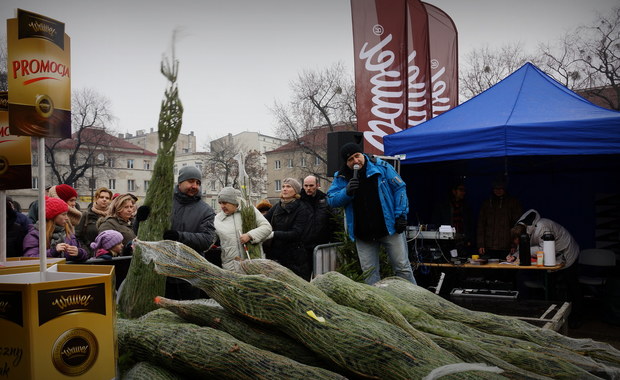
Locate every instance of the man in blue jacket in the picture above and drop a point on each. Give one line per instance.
(376, 206)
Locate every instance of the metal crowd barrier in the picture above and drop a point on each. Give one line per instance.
(324, 258)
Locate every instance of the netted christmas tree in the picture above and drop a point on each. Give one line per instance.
(142, 283)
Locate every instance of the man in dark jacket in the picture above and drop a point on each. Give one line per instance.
(321, 226)
(454, 211)
(192, 225)
(497, 216)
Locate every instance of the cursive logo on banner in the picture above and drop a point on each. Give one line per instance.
(387, 90)
(387, 102)
(416, 94)
(440, 103)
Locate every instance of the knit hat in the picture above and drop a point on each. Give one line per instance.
(106, 240)
(55, 207)
(229, 195)
(293, 183)
(189, 172)
(65, 192)
(349, 149)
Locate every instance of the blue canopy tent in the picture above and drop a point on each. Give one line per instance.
(560, 152)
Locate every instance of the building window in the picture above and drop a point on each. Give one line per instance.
(92, 183)
(129, 164)
(290, 162)
(278, 185)
(111, 162)
(147, 165)
(212, 187)
(131, 185)
(146, 185)
(302, 163)
(213, 205)
(317, 160)
(35, 182)
(112, 184)
(278, 164)
(198, 166)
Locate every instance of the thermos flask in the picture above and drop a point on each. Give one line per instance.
(525, 257)
(549, 248)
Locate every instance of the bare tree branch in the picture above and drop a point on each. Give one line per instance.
(484, 67)
(91, 120)
(321, 99)
(588, 58)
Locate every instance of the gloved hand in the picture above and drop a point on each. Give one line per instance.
(352, 186)
(127, 249)
(171, 235)
(142, 213)
(400, 225)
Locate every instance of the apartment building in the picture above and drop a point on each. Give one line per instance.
(186, 143)
(245, 142)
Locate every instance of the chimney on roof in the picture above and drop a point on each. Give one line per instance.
(191, 133)
(128, 135)
(151, 130)
(121, 136)
(140, 132)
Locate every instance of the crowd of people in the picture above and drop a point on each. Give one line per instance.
(289, 229)
(368, 189)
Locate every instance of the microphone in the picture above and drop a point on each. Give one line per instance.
(356, 167)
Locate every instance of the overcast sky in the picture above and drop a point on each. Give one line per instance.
(238, 56)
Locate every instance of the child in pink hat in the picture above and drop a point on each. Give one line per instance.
(108, 244)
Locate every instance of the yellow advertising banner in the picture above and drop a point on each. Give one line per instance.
(39, 76)
(15, 157)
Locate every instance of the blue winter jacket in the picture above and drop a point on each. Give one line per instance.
(392, 193)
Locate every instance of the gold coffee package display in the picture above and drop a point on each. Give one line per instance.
(60, 328)
(39, 76)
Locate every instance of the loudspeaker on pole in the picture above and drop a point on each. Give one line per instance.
(335, 140)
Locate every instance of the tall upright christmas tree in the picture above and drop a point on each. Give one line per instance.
(142, 284)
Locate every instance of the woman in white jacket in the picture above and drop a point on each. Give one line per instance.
(228, 226)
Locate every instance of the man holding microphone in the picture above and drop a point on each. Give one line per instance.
(375, 201)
